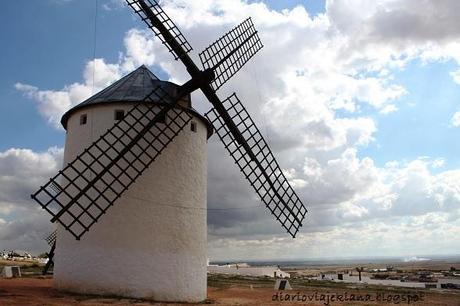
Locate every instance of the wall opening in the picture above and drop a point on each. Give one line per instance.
(83, 119)
(193, 126)
(119, 114)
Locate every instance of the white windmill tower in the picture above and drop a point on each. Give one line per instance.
(159, 221)
(145, 159)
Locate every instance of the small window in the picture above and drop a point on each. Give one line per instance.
(193, 126)
(83, 119)
(119, 115)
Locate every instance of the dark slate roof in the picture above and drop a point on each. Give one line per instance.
(133, 87)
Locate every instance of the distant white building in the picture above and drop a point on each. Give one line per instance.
(246, 270)
(331, 276)
(348, 278)
(379, 270)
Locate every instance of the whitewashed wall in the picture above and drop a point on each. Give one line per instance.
(152, 242)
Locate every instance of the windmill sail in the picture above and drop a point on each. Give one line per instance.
(51, 238)
(229, 53)
(259, 166)
(83, 191)
(145, 7)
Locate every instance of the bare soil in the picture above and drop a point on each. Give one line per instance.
(38, 291)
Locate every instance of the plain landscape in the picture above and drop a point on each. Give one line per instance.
(34, 289)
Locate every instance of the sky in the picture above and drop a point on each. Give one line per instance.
(358, 99)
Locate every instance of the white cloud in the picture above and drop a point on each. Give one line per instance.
(383, 238)
(401, 209)
(110, 5)
(456, 76)
(333, 52)
(388, 31)
(455, 121)
(140, 49)
(306, 90)
(338, 180)
(389, 109)
(438, 163)
(23, 223)
(53, 104)
(97, 75)
(388, 20)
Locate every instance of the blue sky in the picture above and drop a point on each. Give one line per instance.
(421, 125)
(48, 46)
(395, 94)
(44, 49)
(313, 6)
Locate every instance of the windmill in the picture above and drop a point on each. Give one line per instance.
(119, 168)
(51, 241)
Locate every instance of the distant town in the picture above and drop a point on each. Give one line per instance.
(17, 255)
(428, 279)
(415, 272)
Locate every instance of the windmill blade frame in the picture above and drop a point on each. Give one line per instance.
(84, 190)
(257, 163)
(51, 241)
(140, 7)
(50, 259)
(227, 55)
(203, 79)
(51, 238)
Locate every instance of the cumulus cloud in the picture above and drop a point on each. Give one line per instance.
(23, 225)
(402, 21)
(394, 32)
(53, 104)
(395, 210)
(97, 75)
(455, 121)
(307, 90)
(110, 5)
(456, 76)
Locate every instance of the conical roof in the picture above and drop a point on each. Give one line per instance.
(134, 87)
